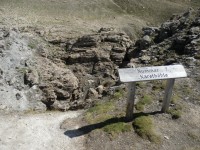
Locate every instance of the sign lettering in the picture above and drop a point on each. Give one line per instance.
(151, 73)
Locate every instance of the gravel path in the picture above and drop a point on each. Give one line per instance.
(38, 132)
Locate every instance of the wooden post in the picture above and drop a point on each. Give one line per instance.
(168, 94)
(130, 101)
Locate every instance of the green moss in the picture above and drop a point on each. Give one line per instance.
(101, 108)
(117, 128)
(146, 100)
(144, 127)
(100, 112)
(103, 115)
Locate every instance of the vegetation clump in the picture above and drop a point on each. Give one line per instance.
(144, 127)
(175, 112)
(99, 112)
(103, 117)
(117, 128)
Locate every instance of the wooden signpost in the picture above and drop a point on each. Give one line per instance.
(132, 75)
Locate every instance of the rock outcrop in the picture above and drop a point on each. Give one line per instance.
(51, 73)
(14, 53)
(176, 41)
(94, 60)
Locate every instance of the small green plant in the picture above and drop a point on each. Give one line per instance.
(159, 85)
(141, 84)
(143, 126)
(176, 111)
(146, 100)
(175, 99)
(119, 93)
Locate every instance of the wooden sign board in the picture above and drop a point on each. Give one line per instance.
(151, 73)
(132, 75)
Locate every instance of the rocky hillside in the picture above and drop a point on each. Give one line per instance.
(40, 68)
(50, 66)
(81, 17)
(175, 41)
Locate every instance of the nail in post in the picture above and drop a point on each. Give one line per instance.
(168, 94)
(130, 101)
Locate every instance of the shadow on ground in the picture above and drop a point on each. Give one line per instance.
(88, 128)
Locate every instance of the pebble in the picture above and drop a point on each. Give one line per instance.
(166, 137)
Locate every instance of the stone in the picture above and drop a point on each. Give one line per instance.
(145, 42)
(106, 30)
(145, 58)
(93, 93)
(62, 94)
(31, 77)
(18, 96)
(1, 73)
(150, 31)
(100, 89)
(87, 41)
(2, 45)
(58, 105)
(194, 30)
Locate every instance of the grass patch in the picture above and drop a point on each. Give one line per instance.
(146, 100)
(141, 84)
(144, 127)
(117, 128)
(119, 93)
(99, 112)
(104, 116)
(187, 90)
(175, 99)
(159, 85)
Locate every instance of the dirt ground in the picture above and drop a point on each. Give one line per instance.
(39, 131)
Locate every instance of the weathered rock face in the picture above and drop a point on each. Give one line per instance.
(14, 52)
(59, 85)
(94, 60)
(102, 47)
(174, 42)
(73, 73)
